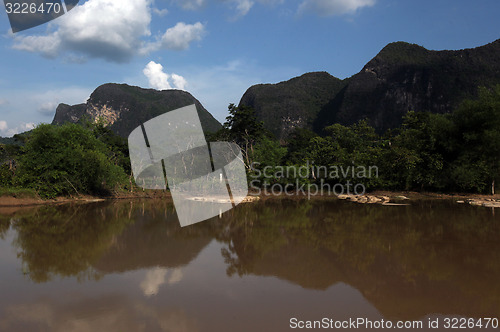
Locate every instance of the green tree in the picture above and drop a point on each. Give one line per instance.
(297, 145)
(417, 153)
(8, 155)
(267, 153)
(67, 159)
(478, 122)
(243, 125)
(358, 137)
(243, 128)
(349, 147)
(117, 145)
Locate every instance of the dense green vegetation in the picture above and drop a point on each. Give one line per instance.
(66, 160)
(457, 152)
(433, 152)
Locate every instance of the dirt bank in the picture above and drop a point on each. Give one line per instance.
(12, 202)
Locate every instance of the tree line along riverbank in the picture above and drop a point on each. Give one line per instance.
(440, 153)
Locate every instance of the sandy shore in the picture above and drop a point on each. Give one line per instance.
(9, 204)
(8, 201)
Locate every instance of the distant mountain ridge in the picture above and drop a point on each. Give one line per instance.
(400, 78)
(7, 140)
(294, 103)
(123, 107)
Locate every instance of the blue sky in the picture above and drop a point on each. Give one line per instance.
(215, 49)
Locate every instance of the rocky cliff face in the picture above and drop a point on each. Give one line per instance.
(67, 113)
(291, 104)
(123, 107)
(402, 77)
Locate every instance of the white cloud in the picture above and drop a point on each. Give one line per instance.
(25, 126)
(160, 12)
(51, 313)
(49, 46)
(181, 35)
(176, 276)
(98, 28)
(38, 106)
(157, 277)
(176, 38)
(47, 101)
(179, 82)
(190, 4)
(48, 108)
(320, 7)
(108, 29)
(243, 6)
(334, 7)
(153, 280)
(159, 80)
(6, 131)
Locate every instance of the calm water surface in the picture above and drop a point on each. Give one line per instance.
(129, 266)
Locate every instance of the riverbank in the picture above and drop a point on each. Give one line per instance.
(398, 198)
(382, 197)
(23, 201)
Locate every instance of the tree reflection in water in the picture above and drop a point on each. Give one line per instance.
(430, 257)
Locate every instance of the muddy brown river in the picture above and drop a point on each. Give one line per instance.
(269, 266)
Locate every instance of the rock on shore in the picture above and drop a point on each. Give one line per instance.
(487, 202)
(366, 199)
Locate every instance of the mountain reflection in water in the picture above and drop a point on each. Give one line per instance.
(129, 266)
